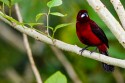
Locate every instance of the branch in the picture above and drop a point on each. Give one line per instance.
(28, 49)
(109, 20)
(64, 46)
(120, 11)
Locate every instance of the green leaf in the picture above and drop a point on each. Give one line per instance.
(61, 25)
(39, 15)
(50, 28)
(58, 14)
(54, 3)
(33, 24)
(57, 77)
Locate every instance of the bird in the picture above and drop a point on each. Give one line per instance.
(90, 34)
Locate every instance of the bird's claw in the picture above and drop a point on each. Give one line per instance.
(86, 49)
(83, 49)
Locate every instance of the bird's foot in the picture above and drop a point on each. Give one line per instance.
(83, 49)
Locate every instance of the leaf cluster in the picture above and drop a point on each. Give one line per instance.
(51, 4)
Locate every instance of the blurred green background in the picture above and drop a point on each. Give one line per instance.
(14, 63)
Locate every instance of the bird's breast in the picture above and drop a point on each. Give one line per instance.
(86, 35)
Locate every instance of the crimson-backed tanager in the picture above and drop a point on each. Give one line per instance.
(90, 34)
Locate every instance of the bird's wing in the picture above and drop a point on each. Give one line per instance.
(99, 32)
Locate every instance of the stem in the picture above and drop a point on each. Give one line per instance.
(48, 22)
(30, 56)
(53, 35)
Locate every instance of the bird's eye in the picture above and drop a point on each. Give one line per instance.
(84, 15)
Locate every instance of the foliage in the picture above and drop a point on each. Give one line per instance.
(54, 3)
(57, 77)
(51, 4)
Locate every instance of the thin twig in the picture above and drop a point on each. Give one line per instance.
(27, 46)
(36, 73)
(47, 17)
(120, 11)
(109, 20)
(61, 57)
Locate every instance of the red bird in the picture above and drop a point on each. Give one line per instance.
(90, 34)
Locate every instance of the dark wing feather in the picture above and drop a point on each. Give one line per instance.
(99, 32)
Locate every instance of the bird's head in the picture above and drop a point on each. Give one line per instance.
(83, 16)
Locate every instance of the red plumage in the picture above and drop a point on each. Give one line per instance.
(90, 34)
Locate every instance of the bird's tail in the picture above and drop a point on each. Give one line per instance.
(108, 68)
